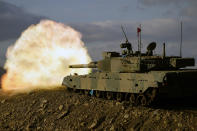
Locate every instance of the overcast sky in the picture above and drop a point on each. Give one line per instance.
(99, 22)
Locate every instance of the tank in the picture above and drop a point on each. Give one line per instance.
(135, 76)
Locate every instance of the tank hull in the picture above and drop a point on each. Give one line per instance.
(177, 83)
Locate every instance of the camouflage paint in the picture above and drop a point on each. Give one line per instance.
(136, 73)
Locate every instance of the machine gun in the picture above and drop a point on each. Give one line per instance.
(126, 45)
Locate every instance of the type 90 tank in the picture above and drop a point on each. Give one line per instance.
(135, 76)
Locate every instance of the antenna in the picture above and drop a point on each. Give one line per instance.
(164, 50)
(124, 34)
(181, 39)
(140, 39)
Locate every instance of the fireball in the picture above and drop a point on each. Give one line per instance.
(40, 57)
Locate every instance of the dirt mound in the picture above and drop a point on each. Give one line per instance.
(62, 110)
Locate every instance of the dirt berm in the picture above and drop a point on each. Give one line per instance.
(62, 110)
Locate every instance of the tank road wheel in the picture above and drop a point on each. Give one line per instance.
(109, 95)
(76, 90)
(126, 96)
(119, 96)
(143, 100)
(138, 99)
(98, 94)
(151, 94)
(86, 92)
(132, 98)
(69, 89)
(154, 93)
(81, 92)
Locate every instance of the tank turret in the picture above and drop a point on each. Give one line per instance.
(143, 62)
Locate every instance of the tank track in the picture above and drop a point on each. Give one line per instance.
(143, 99)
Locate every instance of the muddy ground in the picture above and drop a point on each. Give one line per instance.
(60, 109)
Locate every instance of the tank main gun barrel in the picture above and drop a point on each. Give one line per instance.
(90, 65)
